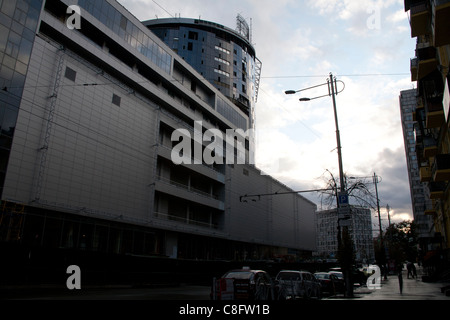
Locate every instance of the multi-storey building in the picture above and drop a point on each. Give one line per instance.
(90, 102)
(430, 23)
(360, 229)
(223, 56)
(420, 204)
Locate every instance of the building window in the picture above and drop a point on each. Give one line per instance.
(70, 74)
(116, 100)
(193, 35)
(190, 45)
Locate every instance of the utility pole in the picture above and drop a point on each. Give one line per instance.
(332, 84)
(382, 261)
(343, 208)
(375, 181)
(389, 216)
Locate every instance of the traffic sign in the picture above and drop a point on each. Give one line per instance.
(343, 199)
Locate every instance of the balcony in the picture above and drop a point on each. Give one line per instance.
(429, 208)
(441, 168)
(427, 61)
(425, 174)
(429, 147)
(424, 41)
(420, 18)
(441, 22)
(187, 192)
(435, 116)
(437, 190)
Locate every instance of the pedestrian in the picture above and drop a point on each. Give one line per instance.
(409, 268)
(414, 271)
(400, 276)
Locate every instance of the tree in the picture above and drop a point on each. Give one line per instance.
(401, 240)
(357, 189)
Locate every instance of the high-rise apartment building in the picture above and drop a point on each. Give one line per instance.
(90, 102)
(420, 204)
(430, 23)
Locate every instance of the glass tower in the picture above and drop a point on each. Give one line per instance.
(223, 56)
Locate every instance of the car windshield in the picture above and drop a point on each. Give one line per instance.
(288, 276)
(322, 276)
(339, 275)
(238, 275)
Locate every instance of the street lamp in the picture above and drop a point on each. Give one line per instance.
(332, 91)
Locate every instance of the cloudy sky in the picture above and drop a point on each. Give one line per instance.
(365, 44)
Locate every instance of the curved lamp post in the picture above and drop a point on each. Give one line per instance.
(332, 91)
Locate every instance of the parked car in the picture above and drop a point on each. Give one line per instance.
(243, 284)
(331, 283)
(293, 284)
(357, 275)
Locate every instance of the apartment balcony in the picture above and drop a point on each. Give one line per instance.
(425, 174)
(441, 24)
(420, 18)
(424, 41)
(429, 208)
(429, 147)
(434, 111)
(413, 68)
(437, 189)
(440, 169)
(427, 61)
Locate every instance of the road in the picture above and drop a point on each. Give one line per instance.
(413, 289)
(182, 292)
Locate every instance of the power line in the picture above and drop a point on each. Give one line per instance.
(162, 8)
(341, 75)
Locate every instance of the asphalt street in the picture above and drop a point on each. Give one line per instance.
(413, 289)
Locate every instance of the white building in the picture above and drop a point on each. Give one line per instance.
(360, 230)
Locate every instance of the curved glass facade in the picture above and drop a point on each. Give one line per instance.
(221, 55)
(128, 31)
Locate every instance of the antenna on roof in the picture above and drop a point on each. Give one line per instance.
(250, 33)
(242, 27)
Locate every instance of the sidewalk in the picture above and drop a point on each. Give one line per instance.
(413, 289)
